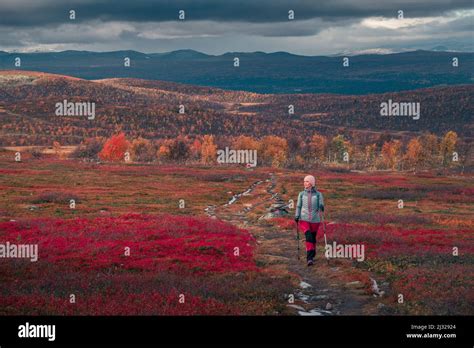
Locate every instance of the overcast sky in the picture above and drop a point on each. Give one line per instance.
(218, 26)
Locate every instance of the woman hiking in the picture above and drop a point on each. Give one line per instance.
(310, 204)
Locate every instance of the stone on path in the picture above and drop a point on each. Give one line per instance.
(304, 285)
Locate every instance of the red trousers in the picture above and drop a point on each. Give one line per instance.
(310, 230)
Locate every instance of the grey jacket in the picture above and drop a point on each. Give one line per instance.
(310, 203)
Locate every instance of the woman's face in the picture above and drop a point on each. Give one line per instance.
(307, 184)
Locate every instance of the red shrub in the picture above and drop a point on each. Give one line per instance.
(115, 148)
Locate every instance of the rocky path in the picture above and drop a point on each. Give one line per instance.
(321, 290)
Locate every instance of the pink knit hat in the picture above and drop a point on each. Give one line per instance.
(311, 179)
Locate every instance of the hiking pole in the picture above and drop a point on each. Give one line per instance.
(298, 240)
(325, 240)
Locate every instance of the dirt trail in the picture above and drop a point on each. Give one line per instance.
(321, 290)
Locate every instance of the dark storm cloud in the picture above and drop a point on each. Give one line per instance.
(25, 13)
(219, 26)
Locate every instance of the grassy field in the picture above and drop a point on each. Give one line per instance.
(182, 261)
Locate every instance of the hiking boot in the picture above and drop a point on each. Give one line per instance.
(310, 263)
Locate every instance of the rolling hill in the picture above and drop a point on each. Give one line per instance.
(150, 109)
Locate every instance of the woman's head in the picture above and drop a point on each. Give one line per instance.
(309, 181)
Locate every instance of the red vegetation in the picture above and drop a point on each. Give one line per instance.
(156, 243)
(418, 262)
(169, 256)
(119, 302)
(115, 148)
(387, 242)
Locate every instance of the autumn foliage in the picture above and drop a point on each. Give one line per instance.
(115, 148)
(208, 149)
(142, 150)
(419, 152)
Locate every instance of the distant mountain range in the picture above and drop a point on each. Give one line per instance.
(260, 72)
